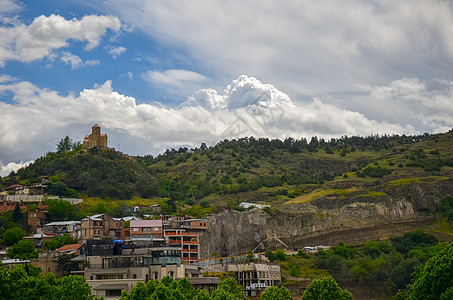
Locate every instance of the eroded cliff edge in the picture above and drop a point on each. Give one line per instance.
(355, 217)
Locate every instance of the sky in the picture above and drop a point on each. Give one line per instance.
(169, 74)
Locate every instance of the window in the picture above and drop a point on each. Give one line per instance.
(116, 293)
(155, 229)
(134, 276)
(170, 273)
(135, 229)
(146, 229)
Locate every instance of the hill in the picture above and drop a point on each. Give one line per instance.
(290, 171)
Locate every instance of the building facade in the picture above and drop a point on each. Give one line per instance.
(95, 139)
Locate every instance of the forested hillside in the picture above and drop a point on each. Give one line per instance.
(245, 169)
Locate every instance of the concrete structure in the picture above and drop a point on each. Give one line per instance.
(98, 226)
(187, 242)
(146, 229)
(255, 277)
(6, 205)
(74, 228)
(95, 139)
(110, 268)
(39, 239)
(47, 265)
(37, 218)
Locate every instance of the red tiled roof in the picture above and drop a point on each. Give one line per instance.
(69, 247)
(96, 125)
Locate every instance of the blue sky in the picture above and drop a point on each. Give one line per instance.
(163, 74)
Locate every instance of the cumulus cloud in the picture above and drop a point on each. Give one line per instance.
(305, 47)
(175, 82)
(45, 34)
(245, 107)
(12, 166)
(75, 61)
(115, 51)
(173, 77)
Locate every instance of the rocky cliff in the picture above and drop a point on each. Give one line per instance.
(360, 215)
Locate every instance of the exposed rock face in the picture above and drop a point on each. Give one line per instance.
(327, 219)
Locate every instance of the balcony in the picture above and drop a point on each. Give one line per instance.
(189, 250)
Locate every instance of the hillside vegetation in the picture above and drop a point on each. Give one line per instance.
(273, 171)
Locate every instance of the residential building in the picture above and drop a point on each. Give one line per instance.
(37, 218)
(254, 277)
(187, 242)
(98, 226)
(39, 239)
(74, 228)
(6, 205)
(146, 229)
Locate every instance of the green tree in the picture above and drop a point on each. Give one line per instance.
(447, 207)
(280, 254)
(64, 145)
(270, 255)
(17, 214)
(61, 210)
(276, 293)
(13, 235)
(228, 289)
(325, 289)
(59, 241)
(22, 250)
(434, 280)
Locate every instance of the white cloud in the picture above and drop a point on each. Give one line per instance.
(46, 34)
(75, 61)
(69, 58)
(246, 107)
(173, 77)
(6, 78)
(92, 62)
(12, 166)
(304, 47)
(175, 82)
(115, 51)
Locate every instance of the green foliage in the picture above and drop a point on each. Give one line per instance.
(270, 255)
(61, 210)
(20, 283)
(410, 240)
(228, 289)
(66, 144)
(12, 236)
(168, 288)
(376, 172)
(434, 280)
(17, 214)
(325, 289)
(280, 254)
(23, 249)
(276, 293)
(447, 208)
(59, 241)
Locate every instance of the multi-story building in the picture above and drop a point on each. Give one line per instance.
(183, 233)
(98, 226)
(74, 228)
(37, 218)
(110, 268)
(187, 242)
(146, 229)
(254, 277)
